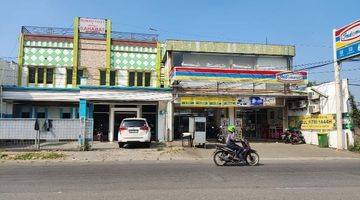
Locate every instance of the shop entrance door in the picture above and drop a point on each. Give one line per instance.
(116, 117)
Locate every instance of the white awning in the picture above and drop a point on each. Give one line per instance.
(99, 95)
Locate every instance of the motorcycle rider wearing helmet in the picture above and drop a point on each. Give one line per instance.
(230, 142)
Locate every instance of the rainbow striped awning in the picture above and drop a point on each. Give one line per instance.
(238, 75)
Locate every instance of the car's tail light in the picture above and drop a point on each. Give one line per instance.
(122, 128)
(144, 128)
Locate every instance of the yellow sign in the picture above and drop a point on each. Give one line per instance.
(317, 122)
(208, 101)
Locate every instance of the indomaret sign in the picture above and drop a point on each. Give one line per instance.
(347, 41)
(89, 25)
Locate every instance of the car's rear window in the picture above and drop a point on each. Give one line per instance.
(134, 123)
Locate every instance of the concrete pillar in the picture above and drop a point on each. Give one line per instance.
(161, 121)
(285, 116)
(231, 115)
(82, 108)
(111, 124)
(170, 122)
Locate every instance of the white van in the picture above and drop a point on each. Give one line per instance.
(134, 130)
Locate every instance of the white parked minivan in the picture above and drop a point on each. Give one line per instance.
(134, 130)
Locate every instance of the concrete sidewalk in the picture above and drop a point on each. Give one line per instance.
(174, 151)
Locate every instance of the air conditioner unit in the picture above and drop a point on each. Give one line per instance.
(314, 109)
(313, 96)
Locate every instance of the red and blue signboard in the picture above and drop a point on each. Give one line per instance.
(347, 41)
(237, 75)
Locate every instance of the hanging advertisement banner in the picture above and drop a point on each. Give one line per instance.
(347, 41)
(256, 101)
(89, 25)
(208, 101)
(269, 101)
(290, 77)
(243, 102)
(237, 75)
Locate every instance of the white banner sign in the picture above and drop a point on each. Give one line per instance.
(269, 101)
(89, 25)
(243, 101)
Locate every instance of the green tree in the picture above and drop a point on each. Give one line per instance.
(354, 112)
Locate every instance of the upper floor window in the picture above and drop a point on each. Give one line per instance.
(139, 79)
(112, 77)
(102, 77)
(69, 75)
(41, 75)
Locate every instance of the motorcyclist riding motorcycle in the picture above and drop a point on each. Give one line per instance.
(230, 142)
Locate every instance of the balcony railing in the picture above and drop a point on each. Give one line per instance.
(54, 31)
(35, 30)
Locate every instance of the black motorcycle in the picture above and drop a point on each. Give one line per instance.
(224, 155)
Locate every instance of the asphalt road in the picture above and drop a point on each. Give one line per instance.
(338, 179)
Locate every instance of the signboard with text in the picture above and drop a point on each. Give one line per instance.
(321, 122)
(89, 25)
(347, 41)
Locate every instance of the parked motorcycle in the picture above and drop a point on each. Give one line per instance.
(293, 136)
(99, 133)
(224, 155)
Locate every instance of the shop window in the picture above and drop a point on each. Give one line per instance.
(40, 115)
(32, 72)
(102, 77)
(25, 115)
(140, 79)
(112, 77)
(66, 115)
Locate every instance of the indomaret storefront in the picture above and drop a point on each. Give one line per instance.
(231, 83)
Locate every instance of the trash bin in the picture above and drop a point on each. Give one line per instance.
(323, 140)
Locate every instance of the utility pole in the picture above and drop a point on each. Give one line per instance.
(338, 96)
(2, 71)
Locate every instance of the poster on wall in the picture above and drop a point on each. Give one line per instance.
(90, 25)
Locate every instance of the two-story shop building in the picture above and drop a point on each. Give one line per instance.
(111, 74)
(242, 84)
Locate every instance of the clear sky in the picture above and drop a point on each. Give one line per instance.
(307, 24)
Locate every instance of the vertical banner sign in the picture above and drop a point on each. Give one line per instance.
(89, 25)
(347, 41)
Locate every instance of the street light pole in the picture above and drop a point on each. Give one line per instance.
(338, 97)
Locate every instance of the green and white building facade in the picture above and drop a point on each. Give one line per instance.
(90, 71)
